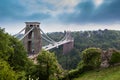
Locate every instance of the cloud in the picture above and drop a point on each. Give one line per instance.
(109, 12)
(86, 12)
(98, 2)
(82, 13)
(53, 7)
(63, 11)
(21, 10)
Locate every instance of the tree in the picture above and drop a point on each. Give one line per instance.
(13, 55)
(5, 49)
(12, 51)
(48, 67)
(6, 72)
(18, 59)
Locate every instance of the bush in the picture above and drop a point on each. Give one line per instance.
(115, 58)
(91, 57)
(73, 73)
(90, 60)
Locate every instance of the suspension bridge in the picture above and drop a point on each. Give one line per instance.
(32, 40)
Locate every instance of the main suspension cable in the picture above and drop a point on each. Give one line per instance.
(27, 33)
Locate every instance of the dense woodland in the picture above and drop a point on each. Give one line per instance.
(103, 39)
(54, 65)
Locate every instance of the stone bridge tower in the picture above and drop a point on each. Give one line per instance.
(67, 47)
(32, 42)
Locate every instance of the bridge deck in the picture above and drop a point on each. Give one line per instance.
(51, 46)
(55, 45)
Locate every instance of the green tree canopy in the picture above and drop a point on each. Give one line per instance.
(48, 66)
(13, 55)
(6, 72)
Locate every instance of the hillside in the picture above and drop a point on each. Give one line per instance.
(84, 39)
(103, 39)
(112, 73)
(100, 38)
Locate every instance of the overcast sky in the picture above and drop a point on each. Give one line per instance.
(60, 15)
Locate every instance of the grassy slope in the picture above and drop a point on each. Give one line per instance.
(106, 74)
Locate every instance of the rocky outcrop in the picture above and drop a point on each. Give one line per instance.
(105, 58)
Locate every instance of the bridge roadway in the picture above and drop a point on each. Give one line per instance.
(56, 44)
(51, 46)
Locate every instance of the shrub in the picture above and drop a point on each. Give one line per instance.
(90, 60)
(91, 57)
(73, 73)
(115, 58)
